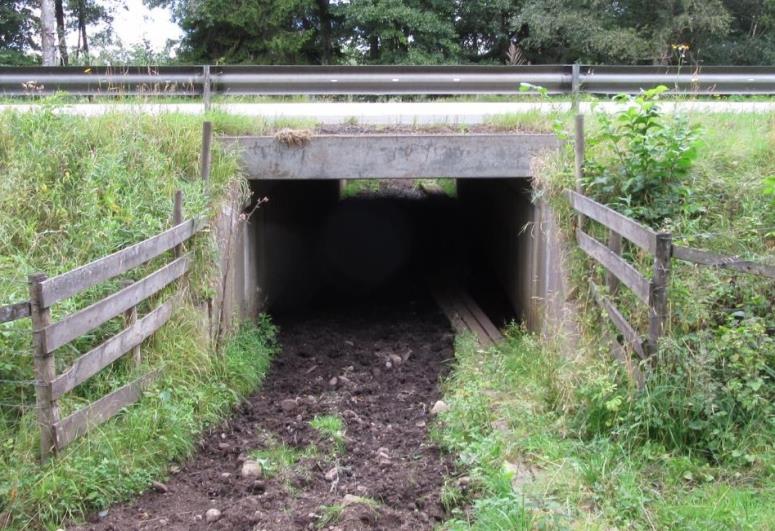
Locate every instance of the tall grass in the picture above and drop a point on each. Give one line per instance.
(694, 449)
(73, 190)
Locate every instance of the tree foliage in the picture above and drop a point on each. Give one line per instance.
(18, 27)
(691, 32)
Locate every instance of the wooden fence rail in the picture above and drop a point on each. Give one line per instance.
(13, 312)
(55, 432)
(651, 292)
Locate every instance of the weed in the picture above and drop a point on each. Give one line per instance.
(331, 427)
(643, 160)
(330, 514)
(279, 458)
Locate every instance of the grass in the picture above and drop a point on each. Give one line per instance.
(554, 440)
(331, 427)
(514, 429)
(280, 458)
(73, 190)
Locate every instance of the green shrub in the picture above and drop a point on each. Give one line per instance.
(641, 160)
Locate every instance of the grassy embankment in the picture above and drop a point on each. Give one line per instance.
(563, 440)
(72, 190)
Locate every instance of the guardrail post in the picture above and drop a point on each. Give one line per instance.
(575, 86)
(206, 87)
(658, 290)
(177, 219)
(45, 369)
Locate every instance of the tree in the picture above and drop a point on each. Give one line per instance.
(268, 32)
(401, 31)
(47, 32)
(485, 30)
(60, 16)
(621, 31)
(18, 25)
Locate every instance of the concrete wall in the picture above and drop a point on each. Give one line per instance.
(520, 240)
(407, 156)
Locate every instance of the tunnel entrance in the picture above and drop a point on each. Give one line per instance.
(310, 247)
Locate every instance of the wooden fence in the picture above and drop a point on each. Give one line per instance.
(653, 292)
(48, 336)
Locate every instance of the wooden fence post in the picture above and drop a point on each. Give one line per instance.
(204, 156)
(130, 318)
(615, 244)
(206, 87)
(579, 152)
(177, 219)
(575, 86)
(45, 369)
(658, 290)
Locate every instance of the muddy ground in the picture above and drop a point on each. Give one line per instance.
(375, 366)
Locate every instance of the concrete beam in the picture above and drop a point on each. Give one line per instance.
(370, 156)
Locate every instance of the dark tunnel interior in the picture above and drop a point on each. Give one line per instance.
(317, 250)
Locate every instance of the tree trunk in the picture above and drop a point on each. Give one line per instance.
(60, 16)
(82, 29)
(48, 32)
(325, 32)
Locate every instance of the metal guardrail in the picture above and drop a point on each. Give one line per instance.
(203, 81)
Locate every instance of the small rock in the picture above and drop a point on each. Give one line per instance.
(396, 360)
(388, 364)
(439, 407)
(349, 343)
(197, 517)
(288, 405)
(161, 487)
(350, 499)
(333, 381)
(251, 469)
(225, 475)
(383, 452)
(332, 474)
(224, 446)
(212, 515)
(258, 487)
(420, 423)
(163, 522)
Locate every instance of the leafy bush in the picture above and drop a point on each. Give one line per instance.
(641, 160)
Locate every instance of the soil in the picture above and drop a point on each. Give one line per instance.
(387, 464)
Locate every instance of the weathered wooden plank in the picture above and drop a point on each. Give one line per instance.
(12, 312)
(618, 352)
(478, 314)
(78, 323)
(458, 314)
(45, 369)
(616, 317)
(698, 256)
(391, 156)
(629, 276)
(83, 420)
(643, 237)
(658, 290)
(72, 282)
(100, 357)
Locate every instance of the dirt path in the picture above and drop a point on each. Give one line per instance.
(377, 369)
